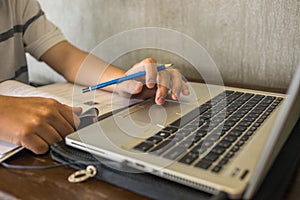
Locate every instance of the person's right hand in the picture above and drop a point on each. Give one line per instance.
(35, 122)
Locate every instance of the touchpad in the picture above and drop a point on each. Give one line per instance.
(151, 113)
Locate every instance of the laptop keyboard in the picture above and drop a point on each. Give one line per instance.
(209, 136)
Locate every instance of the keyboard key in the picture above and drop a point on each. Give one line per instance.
(234, 118)
(198, 122)
(219, 118)
(245, 138)
(239, 128)
(190, 128)
(229, 155)
(154, 139)
(235, 133)
(199, 148)
(174, 153)
(203, 164)
(183, 132)
(244, 123)
(230, 138)
(144, 146)
(163, 134)
(249, 119)
(223, 162)
(217, 169)
(162, 147)
(189, 158)
(176, 123)
(256, 111)
(201, 133)
(206, 115)
(205, 128)
(218, 150)
(213, 137)
(253, 128)
(249, 133)
(253, 115)
(223, 129)
(224, 143)
(207, 143)
(213, 124)
(186, 143)
(170, 129)
(240, 143)
(211, 156)
(204, 108)
(196, 138)
(235, 148)
(256, 124)
(258, 97)
(178, 137)
(229, 123)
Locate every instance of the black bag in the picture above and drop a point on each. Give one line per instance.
(142, 183)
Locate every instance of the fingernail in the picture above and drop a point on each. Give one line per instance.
(161, 100)
(186, 91)
(175, 95)
(151, 83)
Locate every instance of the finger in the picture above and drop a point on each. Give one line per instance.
(163, 83)
(185, 88)
(71, 114)
(150, 67)
(151, 73)
(77, 111)
(35, 144)
(176, 80)
(63, 120)
(48, 134)
(128, 88)
(61, 125)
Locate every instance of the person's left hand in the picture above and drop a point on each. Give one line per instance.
(157, 83)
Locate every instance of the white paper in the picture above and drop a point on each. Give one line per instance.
(6, 147)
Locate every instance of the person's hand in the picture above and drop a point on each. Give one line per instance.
(154, 83)
(35, 122)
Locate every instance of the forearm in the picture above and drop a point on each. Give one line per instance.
(80, 67)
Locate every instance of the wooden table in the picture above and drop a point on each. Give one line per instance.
(52, 183)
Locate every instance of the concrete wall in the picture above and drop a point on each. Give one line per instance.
(251, 41)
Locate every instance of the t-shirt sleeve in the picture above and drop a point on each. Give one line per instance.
(39, 33)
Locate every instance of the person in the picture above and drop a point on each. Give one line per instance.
(35, 122)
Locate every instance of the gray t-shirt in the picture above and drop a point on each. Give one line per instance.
(23, 28)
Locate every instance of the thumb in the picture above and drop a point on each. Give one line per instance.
(77, 110)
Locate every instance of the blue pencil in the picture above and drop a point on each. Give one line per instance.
(124, 78)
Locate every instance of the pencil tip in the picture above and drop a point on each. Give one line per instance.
(169, 65)
(84, 90)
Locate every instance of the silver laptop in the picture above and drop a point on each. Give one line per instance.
(218, 139)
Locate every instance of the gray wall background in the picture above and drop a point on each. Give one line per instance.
(251, 41)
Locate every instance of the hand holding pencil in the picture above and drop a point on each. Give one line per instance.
(146, 79)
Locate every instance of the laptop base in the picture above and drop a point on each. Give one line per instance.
(274, 186)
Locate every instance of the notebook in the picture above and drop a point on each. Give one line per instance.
(7, 150)
(217, 139)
